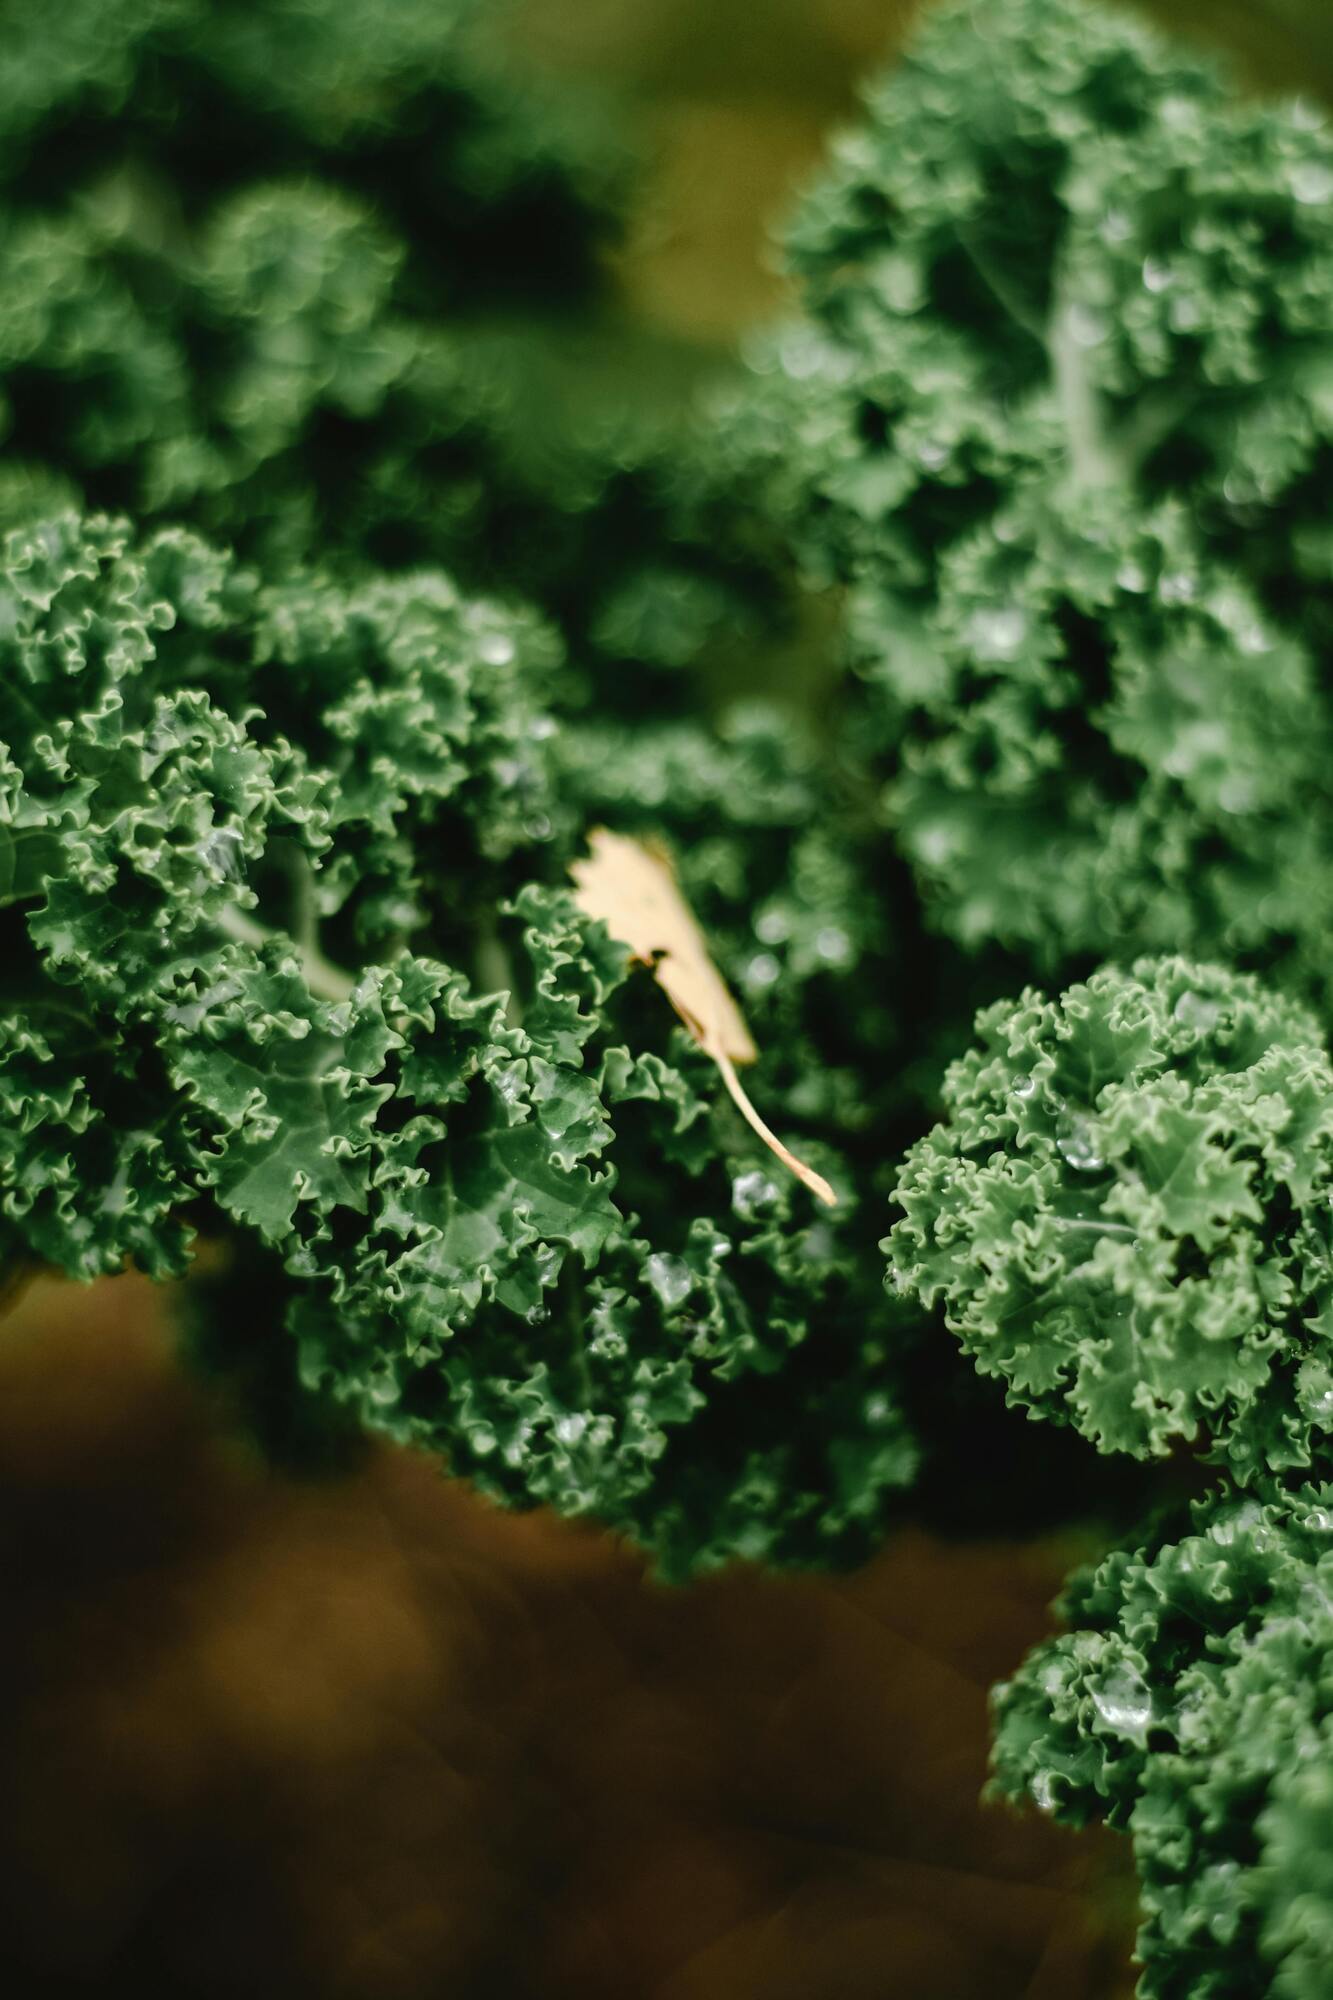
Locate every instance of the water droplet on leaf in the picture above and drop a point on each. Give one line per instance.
(1123, 1703)
(1078, 1146)
(670, 1277)
(997, 635)
(753, 1195)
(1196, 1010)
(1312, 182)
(1087, 327)
(833, 945)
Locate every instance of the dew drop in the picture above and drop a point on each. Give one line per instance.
(1087, 327)
(997, 635)
(1123, 1703)
(762, 970)
(1078, 1147)
(1197, 1011)
(753, 1195)
(670, 1277)
(1312, 182)
(1157, 276)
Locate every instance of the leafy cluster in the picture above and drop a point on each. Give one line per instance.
(370, 329)
(1126, 1213)
(517, 1226)
(1191, 1704)
(1058, 423)
(287, 813)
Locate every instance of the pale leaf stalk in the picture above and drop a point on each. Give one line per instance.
(816, 1183)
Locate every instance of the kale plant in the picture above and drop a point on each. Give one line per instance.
(269, 851)
(1127, 1217)
(361, 331)
(1059, 431)
(1057, 423)
(1191, 1704)
(326, 646)
(1127, 1213)
(267, 336)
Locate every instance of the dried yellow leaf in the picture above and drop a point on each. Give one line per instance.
(632, 887)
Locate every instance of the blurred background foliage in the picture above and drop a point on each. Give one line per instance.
(371, 1739)
(735, 103)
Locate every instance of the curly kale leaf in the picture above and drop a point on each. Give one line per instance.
(517, 1226)
(1125, 1213)
(1191, 1705)
(1058, 424)
(352, 334)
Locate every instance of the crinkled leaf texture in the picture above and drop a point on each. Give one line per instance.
(506, 1230)
(349, 335)
(1126, 1213)
(1192, 1704)
(1058, 422)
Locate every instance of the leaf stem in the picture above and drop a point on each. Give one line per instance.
(325, 980)
(806, 1174)
(1091, 459)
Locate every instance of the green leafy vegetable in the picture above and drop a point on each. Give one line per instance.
(1191, 1705)
(289, 804)
(522, 1228)
(1126, 1213)
(1058, 424)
